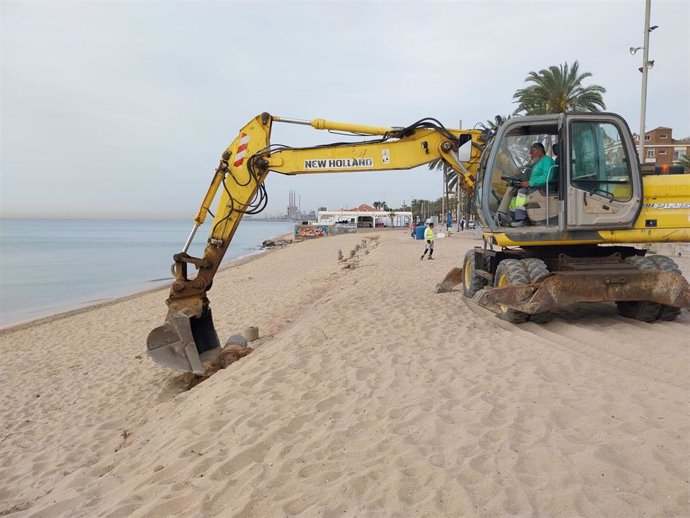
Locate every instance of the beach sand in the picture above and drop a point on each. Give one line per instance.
(367, 395)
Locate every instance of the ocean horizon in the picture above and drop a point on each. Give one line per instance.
(49, 266)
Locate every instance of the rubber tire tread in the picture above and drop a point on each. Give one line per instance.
(666, 264)
(537, 271)
(517, 275)
(643, 310)
(476, 282)
(643, 263)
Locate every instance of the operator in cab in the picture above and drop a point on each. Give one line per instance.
(540, 167)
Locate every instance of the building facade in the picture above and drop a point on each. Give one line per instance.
(364, 216)
(661, 148)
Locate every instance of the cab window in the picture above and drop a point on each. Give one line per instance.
(512, 165)
(598, 160)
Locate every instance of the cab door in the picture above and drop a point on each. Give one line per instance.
(604, 187)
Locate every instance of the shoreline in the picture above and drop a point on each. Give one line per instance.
(108, 301)
(680, 252)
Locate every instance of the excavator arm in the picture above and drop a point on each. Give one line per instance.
(188, 336)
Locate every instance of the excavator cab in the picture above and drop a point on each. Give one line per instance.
(594, 182)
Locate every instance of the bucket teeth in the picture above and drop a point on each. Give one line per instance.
(185, 341)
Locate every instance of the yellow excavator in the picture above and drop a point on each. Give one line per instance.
(578, 243)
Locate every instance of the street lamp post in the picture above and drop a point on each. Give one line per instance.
(459, 209)
(646, 65)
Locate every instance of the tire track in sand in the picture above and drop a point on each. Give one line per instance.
(597, 333)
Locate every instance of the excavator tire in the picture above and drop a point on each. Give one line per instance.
(471, 282)
(664, 263)
(537, 271)
(511, 272)
(640, 310)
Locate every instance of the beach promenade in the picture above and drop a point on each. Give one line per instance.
(368, 394)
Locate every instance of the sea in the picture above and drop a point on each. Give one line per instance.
(49, 266)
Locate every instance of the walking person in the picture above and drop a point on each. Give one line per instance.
(429, 239)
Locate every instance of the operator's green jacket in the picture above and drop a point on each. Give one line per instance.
(540, 172)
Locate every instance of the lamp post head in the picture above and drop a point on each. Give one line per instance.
(653, 27)
(633, 50)
(649, 64)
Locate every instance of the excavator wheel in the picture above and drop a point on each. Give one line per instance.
(537, 271)
(511, 272)
(664, 263)
(471, 282)
(640, 310)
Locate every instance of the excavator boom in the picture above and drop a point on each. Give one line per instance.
(188, 337)
(573, 244)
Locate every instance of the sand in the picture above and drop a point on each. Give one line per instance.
(367, 395)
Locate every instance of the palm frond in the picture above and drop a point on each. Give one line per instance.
(558, 89)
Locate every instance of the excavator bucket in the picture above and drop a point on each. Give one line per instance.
(565, 288)
(450, 281)
(184, 342)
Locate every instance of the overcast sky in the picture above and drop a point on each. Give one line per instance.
(122, 108)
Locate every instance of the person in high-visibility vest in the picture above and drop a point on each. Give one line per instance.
(429, 239)
(541, 168)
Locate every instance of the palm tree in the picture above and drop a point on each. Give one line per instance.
(493, 125)
(391, 214)
(448, 171)
(559, 89)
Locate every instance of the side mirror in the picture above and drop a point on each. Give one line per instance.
(465, 151)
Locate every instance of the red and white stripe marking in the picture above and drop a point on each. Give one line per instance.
(241, 150)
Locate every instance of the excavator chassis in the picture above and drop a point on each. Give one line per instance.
(562, 289)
